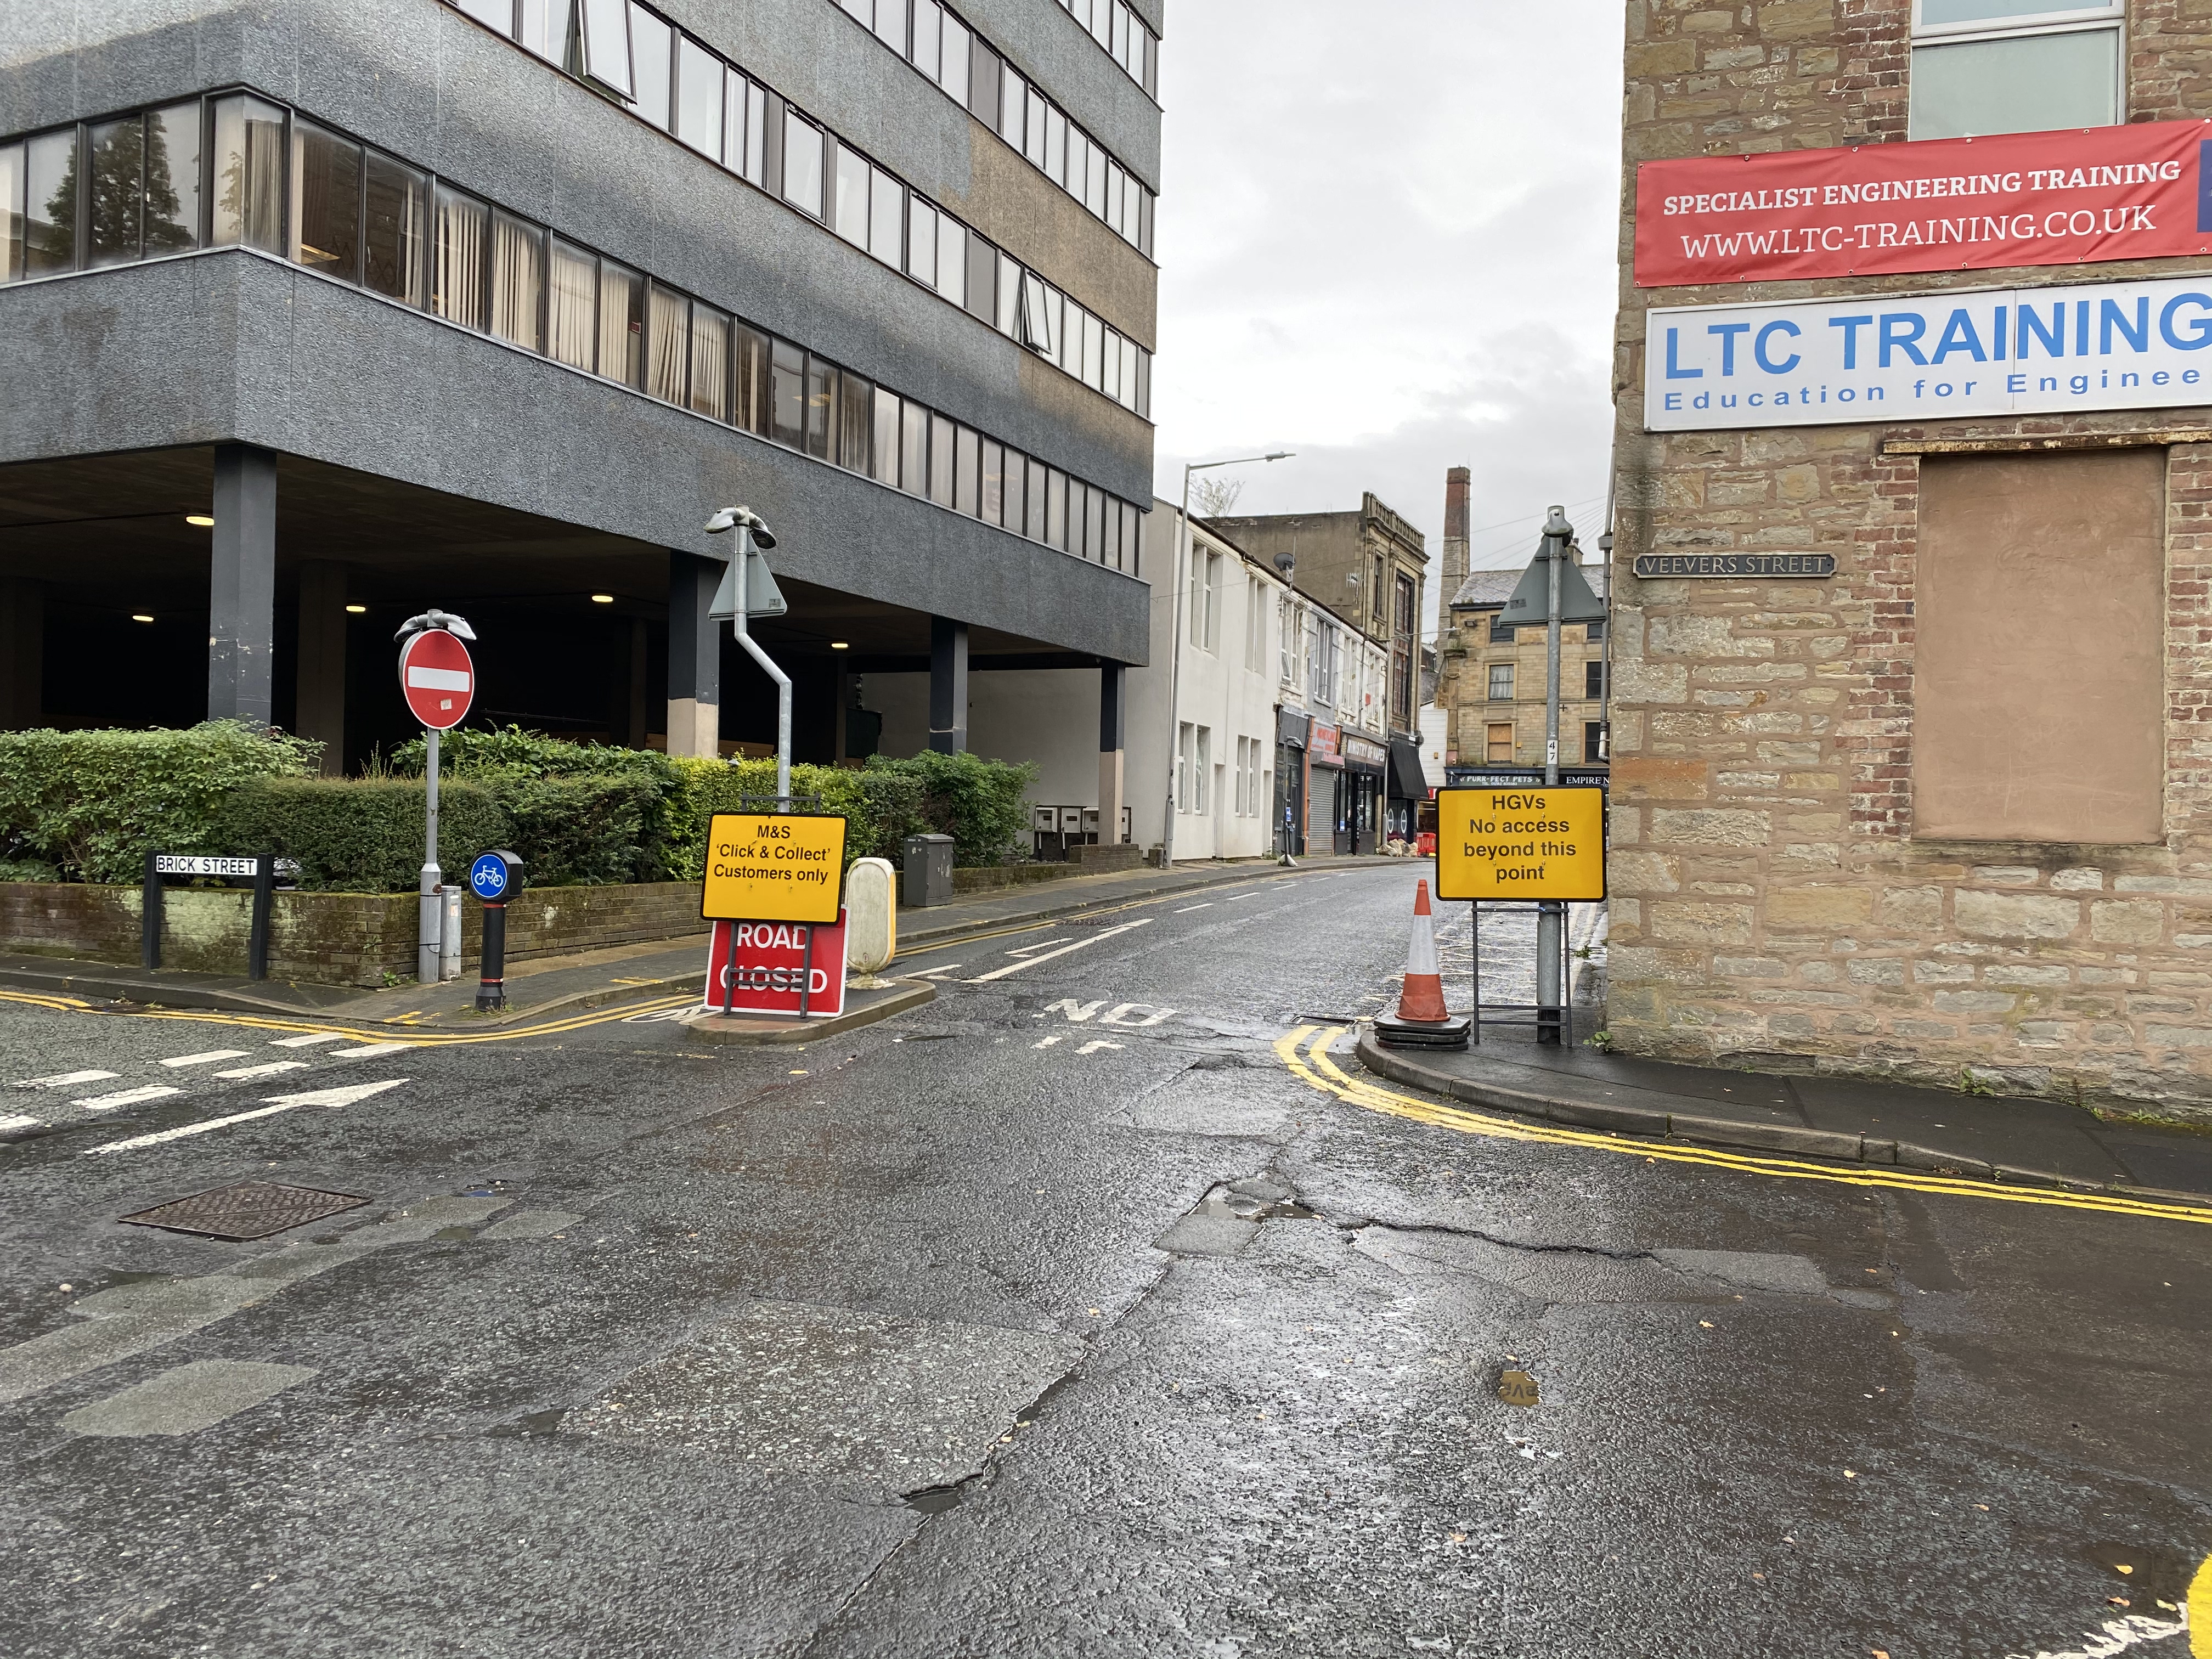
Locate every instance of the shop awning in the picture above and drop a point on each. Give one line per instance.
(1407, 778)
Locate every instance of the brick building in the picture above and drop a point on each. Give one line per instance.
(1950, 806)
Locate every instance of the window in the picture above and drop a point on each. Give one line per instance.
(1988, 66)
(914, 452)
(518, 280)
(1056, 509)
(1501, 682)
(821, 408)
(1593, 741)
(921, 242)
(941, 460)
(605, 45)
(173, 179)
(115, 196)
(886, 216)
(1205, 598)
(967, 454)
(668, 328)
(699, 98)
(856, 402)
(885, 470)
(751, 379)
(249, 173)
(396, 231)
(1501, 631)
(1594, 679)
(1012, 514)
(710, 362)
(1500, 746)
(1186, 755)
(787, 395)
(1034, 528)
(651, 43)
(621, 323)
(458, 227)
(802, 164)
(890, 23)
(952, 74)
(1255, 624)
(952, 259)
(851, 215)
(1194, 768)
(571, 314)
(928, 27)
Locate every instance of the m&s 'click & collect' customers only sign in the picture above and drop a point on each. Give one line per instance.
(774, 867)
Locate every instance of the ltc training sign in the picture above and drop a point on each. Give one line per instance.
(774, 867)
(1525, 843)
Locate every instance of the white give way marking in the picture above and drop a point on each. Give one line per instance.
(1038, 953)
(277, 1104)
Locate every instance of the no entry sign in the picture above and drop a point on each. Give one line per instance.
(1547, 842)
(438, 678)
(760, 965)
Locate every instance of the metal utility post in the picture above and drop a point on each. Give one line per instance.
(1552, 914)
(438, 680)
(431, 903)
(1184, 546)
(738, 594)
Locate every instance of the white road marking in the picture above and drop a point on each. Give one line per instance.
(269, 1068)
(1046, 1043)
(1188, 909)
(1076, 1011)
(1031, 949)
(368, 1049)
(1113, 1016)
(128, 1097)
(17, 1121)
(1081, 944)
(207, 1059)
(277, 1104)
(931, 972)
(1232, 898)
(1094, 1045)
(190, 1398)
(65, 1080)
(308, 1042)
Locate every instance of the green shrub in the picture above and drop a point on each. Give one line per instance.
(28, 870)
(361, 836)
(979, 803)
(95, 803)
(586, 831)
(709, 787)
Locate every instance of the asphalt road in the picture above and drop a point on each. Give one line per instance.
(1061, 1317)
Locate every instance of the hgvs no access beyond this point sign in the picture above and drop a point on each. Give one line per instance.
(1527, 843)
(779, 866)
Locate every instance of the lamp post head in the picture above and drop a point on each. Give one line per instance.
(434, 620)
(730, 517)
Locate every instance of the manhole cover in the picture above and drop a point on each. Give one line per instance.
(252, 1209)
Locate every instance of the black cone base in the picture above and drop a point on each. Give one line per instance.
(1408, 1034)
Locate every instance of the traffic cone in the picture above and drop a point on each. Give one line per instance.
(1422, 1000)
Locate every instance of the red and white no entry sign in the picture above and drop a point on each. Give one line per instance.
(438, 677)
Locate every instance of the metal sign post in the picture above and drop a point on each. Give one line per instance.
(749, 590)
(438, 679)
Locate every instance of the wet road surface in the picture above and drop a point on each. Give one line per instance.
(1060, 1317)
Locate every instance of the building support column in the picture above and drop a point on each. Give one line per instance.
(694, 658)
(242, 585)
(322, 683)
(1113, 748)
(948, 685)
(22, 652)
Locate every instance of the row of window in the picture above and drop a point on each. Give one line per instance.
(139, 187)
(1498, 745)
(1123, 36)
(1501, 681)
(973, 76)
(675, 83)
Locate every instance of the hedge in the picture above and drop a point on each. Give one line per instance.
(356, 835)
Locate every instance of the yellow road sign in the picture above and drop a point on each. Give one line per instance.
(1521, 842)
(774, 867)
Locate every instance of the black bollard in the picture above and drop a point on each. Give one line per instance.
(491, 986)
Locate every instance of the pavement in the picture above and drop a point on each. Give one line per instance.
(1103, 1307)
(544, 987)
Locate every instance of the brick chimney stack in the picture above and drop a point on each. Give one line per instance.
(1456, 553)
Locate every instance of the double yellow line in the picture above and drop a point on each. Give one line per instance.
(1305, 1051)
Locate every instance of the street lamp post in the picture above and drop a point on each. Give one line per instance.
(1174, 640)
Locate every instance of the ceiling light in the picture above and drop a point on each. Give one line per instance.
(205, 520)
(140, 615)
(603, 598)
(839, 645)
(357, 610)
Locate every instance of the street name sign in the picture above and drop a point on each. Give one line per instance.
(1721, 566)
(439, 679)
(759, 967)
(1521, 843)
(774, 867)
(195, 864)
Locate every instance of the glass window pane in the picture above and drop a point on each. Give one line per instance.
(863, 11)
(651, 42)
(11, 213)
(1033, 519)
(928, 22)
(856, 410)
(886, 216)
(1055, 146)
(921, 240)
(572, 313)
(1056, 508)
(172, 179)
(752, 377)
(117, 154)
(698, 98)
(1109, 538)
(787, 394)
(952, 74)
(990, 505)
(325, 202)
(967, 456)
(1114, 177)
(50, 203)
(890, 24)
(885, 461)
(1017, 476)
(821, 408)
(1128, 392)
(802, 164)
(459, 226)
(606, 44)
(913, 450)
(545, 25)
(668, 328)
(710, 362)
(2037, 83)
(1934, 12)
(755, 133)
(1079, 162)
(733, 120)
(1013, 104)
(493, 14)
(1094, 350)
(852, 213)
(1094, 525)
(518, 280)
(1132, 538)
(249, 174)
(1094, 184)
(982, 297)
(621, 323)
(952, 259)
(1036, 129)
(941, 460)
(1009, 293)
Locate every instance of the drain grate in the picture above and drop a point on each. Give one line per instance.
(251, 1209)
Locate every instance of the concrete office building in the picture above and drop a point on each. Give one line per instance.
(311, 317)
(1910, 608)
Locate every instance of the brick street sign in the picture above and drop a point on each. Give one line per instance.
(1521, 843)
(774, 867)
(438, 677)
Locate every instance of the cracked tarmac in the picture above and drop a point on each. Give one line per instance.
(939, 1338)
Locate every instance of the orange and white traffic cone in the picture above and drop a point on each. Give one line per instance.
(1422, 1000)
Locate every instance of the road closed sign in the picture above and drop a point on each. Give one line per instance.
(774, 867)
(1526, 843)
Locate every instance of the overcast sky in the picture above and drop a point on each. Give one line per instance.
(1386, 242)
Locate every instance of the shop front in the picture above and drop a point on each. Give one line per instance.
(1293, 730)
(1324, 783)
(1360, 810)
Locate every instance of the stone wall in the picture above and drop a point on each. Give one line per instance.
(1768, 895)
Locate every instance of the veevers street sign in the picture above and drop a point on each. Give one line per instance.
(1521, 843)
(774, 867)
(1656, 567)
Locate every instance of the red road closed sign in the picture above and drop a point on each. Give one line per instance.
(760, 965)
(439, 679)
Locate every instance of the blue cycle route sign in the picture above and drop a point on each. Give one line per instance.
(488, 877)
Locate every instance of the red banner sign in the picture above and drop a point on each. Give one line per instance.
(2034, 199)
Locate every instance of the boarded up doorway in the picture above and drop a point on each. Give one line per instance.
(2038, 692)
